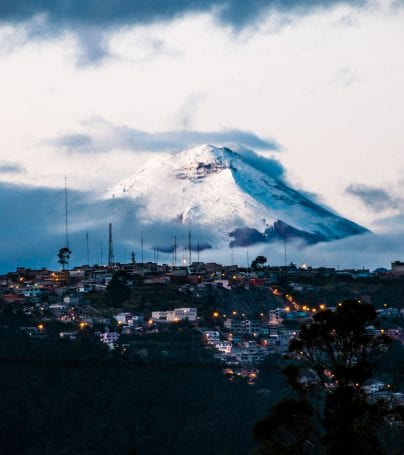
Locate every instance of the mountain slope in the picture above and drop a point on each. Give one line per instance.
(216, 189)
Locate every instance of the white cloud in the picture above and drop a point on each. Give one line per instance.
(328, 86)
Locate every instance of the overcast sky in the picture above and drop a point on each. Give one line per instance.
(90, 90)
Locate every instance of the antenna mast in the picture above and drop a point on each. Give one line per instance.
(141, 243)
(284, 241)
(175, 252)
(110, 247)
(88, 249)
(66, 224)
(189, 248)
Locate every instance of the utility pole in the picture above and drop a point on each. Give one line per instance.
(110, 247)
(88, 249)
(175, 252)
(189, 247)
(284, 242)
(66, 223)
(142, 245)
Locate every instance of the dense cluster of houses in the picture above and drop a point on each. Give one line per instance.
(237, 340)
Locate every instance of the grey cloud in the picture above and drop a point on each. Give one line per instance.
(11, 168)
(93, 45)
(72, 141)
(32, 227)
(269, 166)
(123, 137)
(368, 250)
(33, 241)
(111, 12)
(374, 198)
(92, 20)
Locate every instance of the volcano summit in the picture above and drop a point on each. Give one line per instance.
(219, 190)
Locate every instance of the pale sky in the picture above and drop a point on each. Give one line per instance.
(326, 84)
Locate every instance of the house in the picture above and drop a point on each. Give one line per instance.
(222, 346)
(109, 338)
(178, 314)
(276, 316)
(68, 335)
(129, 319)
(211, 335)
(397, 268)
(242, 326)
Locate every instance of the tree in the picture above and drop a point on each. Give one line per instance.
(258, 262)
(329, 411)
(119, 289)
(64, 256)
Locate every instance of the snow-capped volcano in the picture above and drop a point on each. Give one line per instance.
(217, 189)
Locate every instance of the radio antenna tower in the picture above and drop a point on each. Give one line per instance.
(110, 247)
(284, 244)
(66, 224)
(88, 249)
(142, 246)
(189, 248)
(175, 252)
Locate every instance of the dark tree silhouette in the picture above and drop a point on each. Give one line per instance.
(258, 262)
(64, 256)
(329, 411)
(119, 288)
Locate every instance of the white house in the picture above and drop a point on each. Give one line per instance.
(109, 338)
(178, 314)
(222, 346)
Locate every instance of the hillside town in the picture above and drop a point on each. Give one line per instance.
(239, 337)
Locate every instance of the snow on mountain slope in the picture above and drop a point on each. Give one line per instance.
(217, 189)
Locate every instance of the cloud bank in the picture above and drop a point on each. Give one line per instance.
(33, 230)
(107, 136)
(110, 12)
(376, 199)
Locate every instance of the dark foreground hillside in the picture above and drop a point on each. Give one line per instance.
(79, 398)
